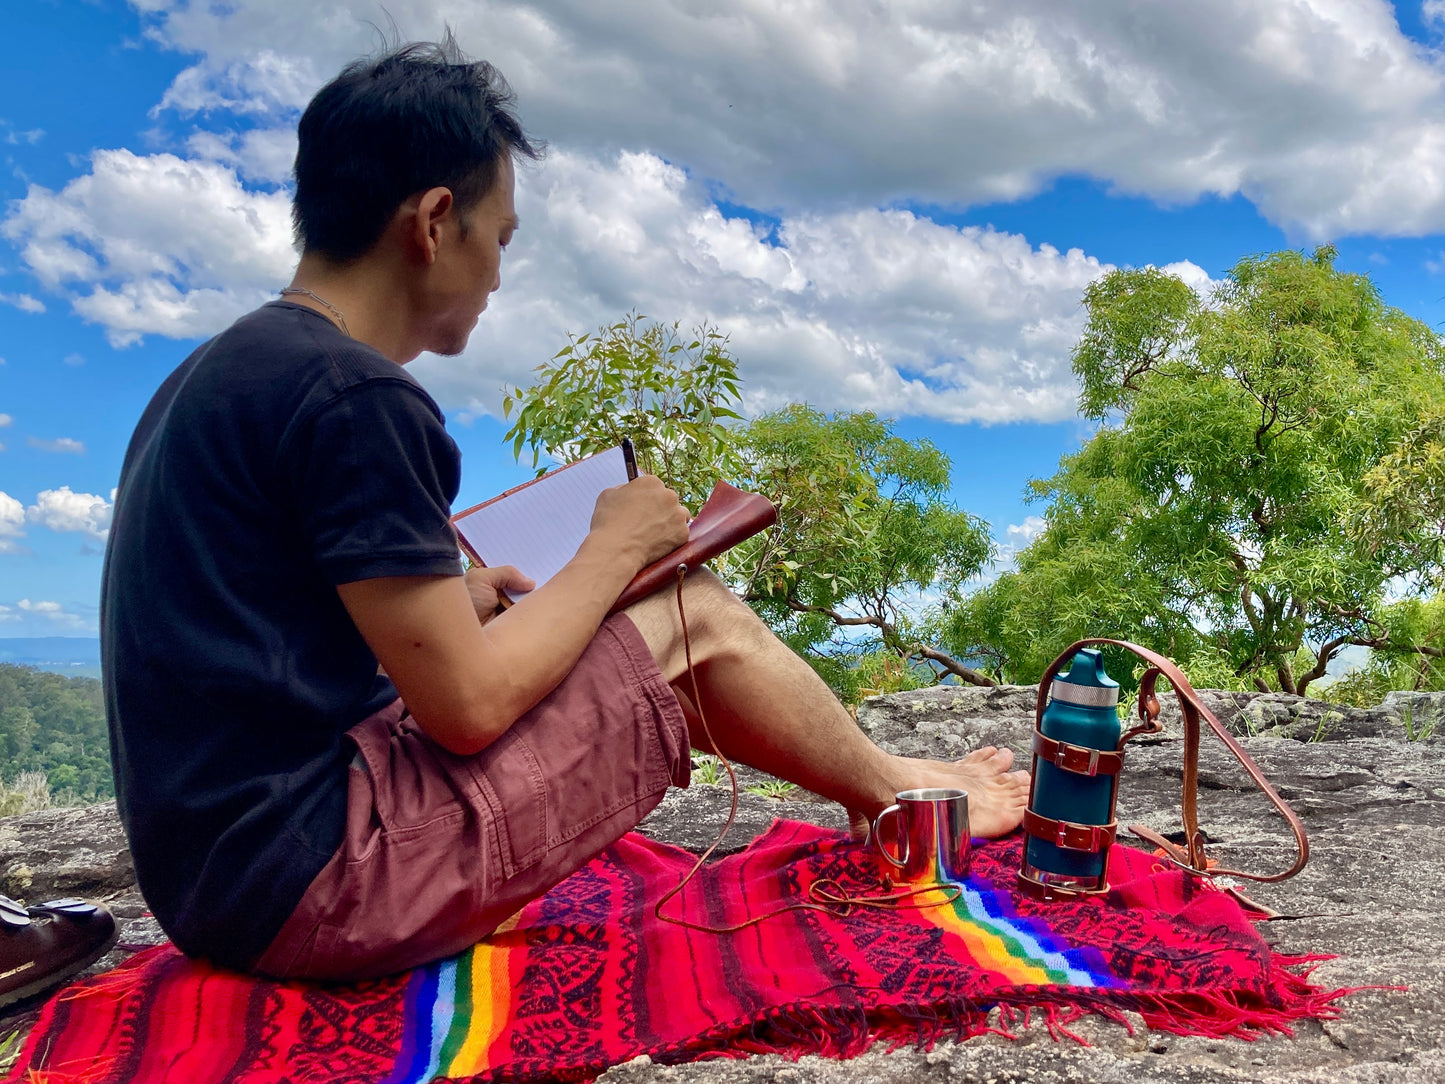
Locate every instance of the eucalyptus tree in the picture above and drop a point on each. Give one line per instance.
(1246, 502)
(867, 542)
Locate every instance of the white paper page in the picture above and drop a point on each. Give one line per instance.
(539, 528)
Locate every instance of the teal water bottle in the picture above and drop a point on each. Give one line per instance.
(1076, 766)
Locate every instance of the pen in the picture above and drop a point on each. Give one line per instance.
(629, 456)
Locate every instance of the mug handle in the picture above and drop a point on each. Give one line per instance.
(878, 838)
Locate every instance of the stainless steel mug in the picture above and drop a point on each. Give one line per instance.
(930, 837)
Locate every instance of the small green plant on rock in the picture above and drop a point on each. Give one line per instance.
(1421, 730)
(1328, 721)
(707, 770)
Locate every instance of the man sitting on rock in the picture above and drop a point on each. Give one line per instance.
(282, 528)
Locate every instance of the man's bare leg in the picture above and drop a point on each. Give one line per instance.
(767, 708)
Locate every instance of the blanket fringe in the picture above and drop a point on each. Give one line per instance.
(1287, 998)
(846, 1031)
(78, 1073)
(99, 993)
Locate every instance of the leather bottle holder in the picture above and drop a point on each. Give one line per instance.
(1083, 761)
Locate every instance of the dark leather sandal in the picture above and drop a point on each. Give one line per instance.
(43, 945)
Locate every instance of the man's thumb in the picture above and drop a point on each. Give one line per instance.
(511, 576)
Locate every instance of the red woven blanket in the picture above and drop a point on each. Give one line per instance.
(586, 977)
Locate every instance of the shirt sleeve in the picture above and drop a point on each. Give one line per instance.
(374, 476)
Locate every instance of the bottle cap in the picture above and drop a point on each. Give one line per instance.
(1086, 683)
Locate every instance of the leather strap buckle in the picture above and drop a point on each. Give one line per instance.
(1078, 759)
(1069, 836)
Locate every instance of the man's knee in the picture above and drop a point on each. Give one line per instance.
(715, 620)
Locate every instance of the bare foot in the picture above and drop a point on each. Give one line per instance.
(996, 796)
(859, 826)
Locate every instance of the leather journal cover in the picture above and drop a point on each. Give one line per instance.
(727, 517)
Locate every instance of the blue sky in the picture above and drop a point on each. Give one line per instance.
(886, 213)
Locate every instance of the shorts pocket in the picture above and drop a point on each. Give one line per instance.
(510, 778)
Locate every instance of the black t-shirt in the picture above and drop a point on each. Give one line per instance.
(281, 459)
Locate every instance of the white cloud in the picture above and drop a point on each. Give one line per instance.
(1017, 537)
(12, 523)
(259, 83)
(49, 613)
(23, 302)
(1021, 534)
(263, 155)
(1433, 11)
(1322, 112)
(877, 310)
(1195, 277)
(156, 244)
(882, 310)
(5, 420)
(30, 136)
(1318, 110)
(62, 510)
(61, 445)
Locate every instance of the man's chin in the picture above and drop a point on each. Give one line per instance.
(449, 346)
(448, 335)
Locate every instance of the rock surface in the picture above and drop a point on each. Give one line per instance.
(1372, 799)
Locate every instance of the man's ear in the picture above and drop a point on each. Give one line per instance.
(430, 217)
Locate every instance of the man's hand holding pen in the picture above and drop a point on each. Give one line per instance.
(642, 520)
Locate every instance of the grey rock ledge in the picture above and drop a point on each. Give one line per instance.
(1373, 894)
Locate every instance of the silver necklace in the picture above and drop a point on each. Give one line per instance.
(340, 320)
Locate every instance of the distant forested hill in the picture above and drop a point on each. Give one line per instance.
(74, 656)
(55, 725)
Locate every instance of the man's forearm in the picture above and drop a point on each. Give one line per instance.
(539, 639)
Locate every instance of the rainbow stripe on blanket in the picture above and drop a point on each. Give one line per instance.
(586, 977)
(457, 1010)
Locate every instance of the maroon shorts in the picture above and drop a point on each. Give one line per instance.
(440, 849)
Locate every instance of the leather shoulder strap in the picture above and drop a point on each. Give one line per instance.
(1191, 856)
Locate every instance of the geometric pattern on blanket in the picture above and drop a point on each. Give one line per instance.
(586, 977)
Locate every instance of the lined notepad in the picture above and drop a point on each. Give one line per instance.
(539, 526)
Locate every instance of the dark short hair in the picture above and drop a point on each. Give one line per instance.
(420, 116)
